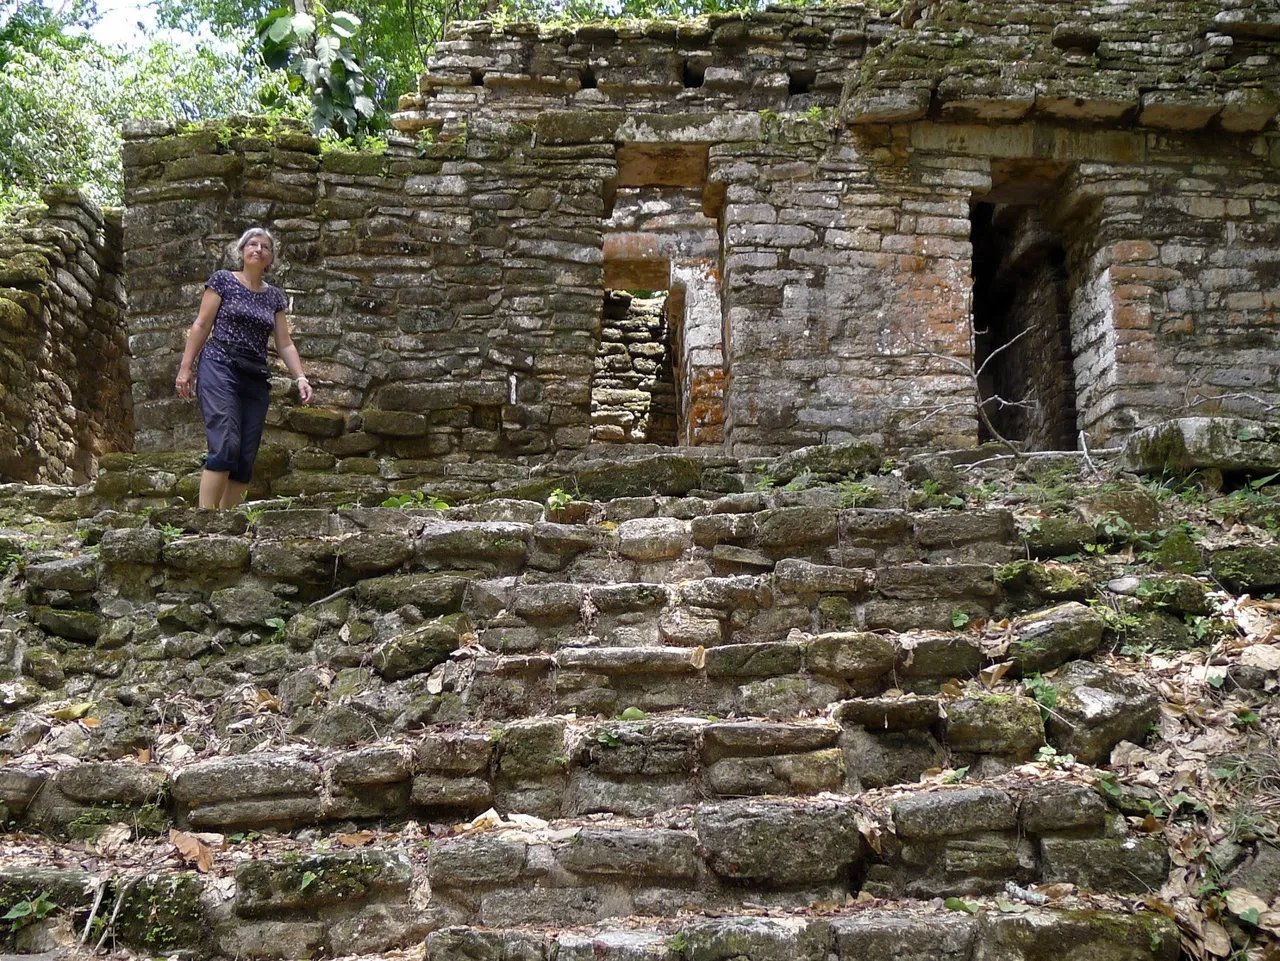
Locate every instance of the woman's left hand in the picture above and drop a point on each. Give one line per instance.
(304, 390)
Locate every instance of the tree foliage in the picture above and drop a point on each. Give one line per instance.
(64, 100)
(392, 44)
(317, 52)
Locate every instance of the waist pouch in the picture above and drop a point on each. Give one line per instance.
(244, 360)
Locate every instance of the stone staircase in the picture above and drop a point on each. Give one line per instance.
(712, 725)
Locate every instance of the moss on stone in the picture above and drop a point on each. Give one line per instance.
(163, 913)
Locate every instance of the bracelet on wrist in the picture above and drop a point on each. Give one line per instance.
(299, 380)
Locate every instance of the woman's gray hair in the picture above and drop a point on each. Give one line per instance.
(235, 250)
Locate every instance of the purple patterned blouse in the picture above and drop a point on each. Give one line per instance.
(245, 317)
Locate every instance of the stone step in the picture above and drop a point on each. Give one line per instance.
(880, 933)
(369, 890)
(553, 766)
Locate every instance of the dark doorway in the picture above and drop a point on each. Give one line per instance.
(1022, 328)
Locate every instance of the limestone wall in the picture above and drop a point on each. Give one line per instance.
(64, 384)
(801, 181)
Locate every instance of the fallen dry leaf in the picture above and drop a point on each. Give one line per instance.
(990, 675)
(357, 840)
(1246, 905)
(1216, 940)
(112, 837)
(192, 850)
(72, 712)
(1266, 657)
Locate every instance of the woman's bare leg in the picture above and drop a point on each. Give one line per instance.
(213, 486)
(233, 495)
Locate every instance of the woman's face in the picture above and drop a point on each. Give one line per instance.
(258, 251)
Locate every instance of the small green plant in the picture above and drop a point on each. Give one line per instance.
(959, 619)
(10, 559)
(277, 626)
(1049, 755)
(764, 481)
(609, 739)
(956, 776)
(853, 494)
(426, 137)
(308, 878)
(800, 482)
(678, 942)
(959, 904)
(416, 499)
(1245, 719)
(632, 714)
(1109, 786)
(370, 144)
(170, 532)
(23, 913)
(1044, 693)
(558, 499)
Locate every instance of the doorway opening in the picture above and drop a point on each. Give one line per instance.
(633, 392)
(1022, 321)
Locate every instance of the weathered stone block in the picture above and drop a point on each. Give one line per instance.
(855, 655)
(1062, 809)
(996, 724)
(1097, 708)
(1123, 865)
(484, 859)
(1044, 935)
(1050, 638)
(779, 843)
(778, 774)
(141, 545)
(634, 853)
(761, 939)
(802, 577)
(654, 538)
(944, 813)
(884, 936)
(70, 574)
(419, 650)
(196, 554)
(245, 606)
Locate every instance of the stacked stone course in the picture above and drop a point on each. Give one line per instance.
(712, 720)
(64, 385)
(451, 296)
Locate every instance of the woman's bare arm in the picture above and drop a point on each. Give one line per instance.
(196, 338)
(289, 354)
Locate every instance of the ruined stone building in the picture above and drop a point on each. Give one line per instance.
(492, 690)
(841, 214)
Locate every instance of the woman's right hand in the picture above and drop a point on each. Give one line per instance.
(184, 381)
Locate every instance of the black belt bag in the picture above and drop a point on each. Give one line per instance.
(244, 360)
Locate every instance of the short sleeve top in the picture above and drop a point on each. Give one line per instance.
(245, 317)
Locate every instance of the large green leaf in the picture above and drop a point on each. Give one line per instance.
(281, 30)
(304, 25)
(344, 24)
(327, 49)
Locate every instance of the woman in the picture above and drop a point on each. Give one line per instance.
(237, 312)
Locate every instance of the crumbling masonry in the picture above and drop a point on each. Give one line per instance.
(808, 186)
